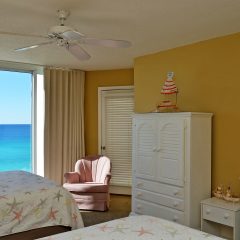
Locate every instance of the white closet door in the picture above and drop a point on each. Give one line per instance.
(171, 151)
(145, 144)
(117, 107)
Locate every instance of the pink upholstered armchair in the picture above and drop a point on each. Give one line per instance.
(89, 183)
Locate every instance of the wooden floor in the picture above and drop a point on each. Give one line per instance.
(120, 206)
(120, 203)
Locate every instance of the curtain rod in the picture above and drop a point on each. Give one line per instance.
(59, 68)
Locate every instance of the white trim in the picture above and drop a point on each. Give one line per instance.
(39, 115)
(26, 68)
(99, 119)
(34, 121)
(20, 67)
(100, 91)
(115, 88)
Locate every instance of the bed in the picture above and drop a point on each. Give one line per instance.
(31, 202)
(133, 228)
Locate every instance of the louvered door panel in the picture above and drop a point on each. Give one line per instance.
(145, 145)
(171, 152)
(118, 137)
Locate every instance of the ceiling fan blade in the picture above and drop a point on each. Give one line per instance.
(32, 46)
(72, 35)
(106, 42)
(78, 52)
(22, 34)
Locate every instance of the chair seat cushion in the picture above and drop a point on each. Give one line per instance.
(87, 187)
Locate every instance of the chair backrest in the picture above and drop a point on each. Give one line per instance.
(93, 168)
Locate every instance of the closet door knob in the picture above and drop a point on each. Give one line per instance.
(139, 206)
(176, 192)
(175, 204)
(208, 211)
(175, 218)
(226, 215)
(139, 194)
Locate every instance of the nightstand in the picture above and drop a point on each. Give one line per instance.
(215, 212)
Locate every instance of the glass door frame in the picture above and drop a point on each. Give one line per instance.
(33, 111)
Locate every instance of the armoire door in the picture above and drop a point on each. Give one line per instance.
(144, 154)
(170, 151)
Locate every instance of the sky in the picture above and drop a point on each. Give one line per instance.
(15, 97)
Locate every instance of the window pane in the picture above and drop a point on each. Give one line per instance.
(15, 121)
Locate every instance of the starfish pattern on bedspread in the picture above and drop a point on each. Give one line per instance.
(18, 215)
(120, 229)
(104, 228)
(143, 231)
(135, 228)
(30, 199)
(52, 214)
(14, 204)
(3, 197)
(58, 195)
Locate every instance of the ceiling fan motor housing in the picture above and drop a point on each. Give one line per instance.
(63, 14)
(58, 30)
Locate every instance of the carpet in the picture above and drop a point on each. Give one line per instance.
(120, 206)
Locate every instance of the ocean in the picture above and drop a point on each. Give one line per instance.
(15, 147)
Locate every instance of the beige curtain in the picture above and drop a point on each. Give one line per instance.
(64, 121)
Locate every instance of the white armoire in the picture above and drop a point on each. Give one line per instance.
(171, 165)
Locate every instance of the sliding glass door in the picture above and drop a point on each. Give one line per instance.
(15, 121)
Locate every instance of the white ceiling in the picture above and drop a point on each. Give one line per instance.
(151, 26)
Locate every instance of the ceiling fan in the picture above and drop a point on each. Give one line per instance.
(71, 39)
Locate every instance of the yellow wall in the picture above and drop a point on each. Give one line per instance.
(208, 77)
(95, 79)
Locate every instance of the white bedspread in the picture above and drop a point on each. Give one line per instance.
(135, 227)
(28, 201)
